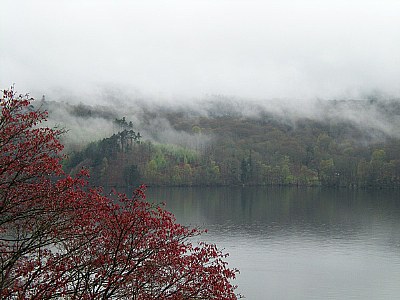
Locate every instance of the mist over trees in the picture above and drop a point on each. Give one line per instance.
(353, 143)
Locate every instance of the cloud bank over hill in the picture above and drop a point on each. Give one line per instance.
(179, 51)
(376, 119)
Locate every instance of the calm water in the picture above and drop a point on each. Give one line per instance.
(299, 243)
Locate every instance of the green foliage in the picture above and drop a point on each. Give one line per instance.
(131, 175)
(246, 151)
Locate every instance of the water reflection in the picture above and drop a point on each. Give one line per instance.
(300, 243)
(277, 211)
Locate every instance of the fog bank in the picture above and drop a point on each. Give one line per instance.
(183, 50)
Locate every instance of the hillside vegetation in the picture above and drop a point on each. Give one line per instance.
(224, 146)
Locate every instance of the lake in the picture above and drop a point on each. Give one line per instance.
(298, 244)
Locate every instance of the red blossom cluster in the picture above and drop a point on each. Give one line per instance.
(60, 239)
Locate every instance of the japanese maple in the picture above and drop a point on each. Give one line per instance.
(60, 239)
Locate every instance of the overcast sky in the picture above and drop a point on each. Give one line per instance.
(296, 49)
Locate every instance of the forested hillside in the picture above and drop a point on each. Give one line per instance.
(228, 147)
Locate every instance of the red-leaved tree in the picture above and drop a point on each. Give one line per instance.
(60, 239)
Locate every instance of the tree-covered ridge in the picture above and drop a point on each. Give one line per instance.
(266, 149)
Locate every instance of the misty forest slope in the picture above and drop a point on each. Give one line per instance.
(343, 143)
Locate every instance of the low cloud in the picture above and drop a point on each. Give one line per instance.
(180, 50)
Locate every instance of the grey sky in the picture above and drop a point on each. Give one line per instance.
(190, 48)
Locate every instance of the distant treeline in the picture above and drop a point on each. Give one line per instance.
(247, 151)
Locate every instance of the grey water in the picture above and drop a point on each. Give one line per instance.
(291, 243)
